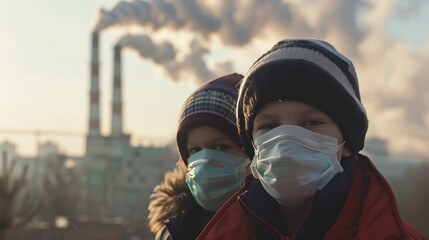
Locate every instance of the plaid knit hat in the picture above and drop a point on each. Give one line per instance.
(307, 70)
(212, 104)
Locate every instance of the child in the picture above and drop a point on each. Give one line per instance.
(301, 118)
(213, 166)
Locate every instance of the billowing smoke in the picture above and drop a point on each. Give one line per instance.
(192, 64)
(392, 73)
(158, 13)
(164, 54)
(143, 44)
(338, 21)
(408, 8)
(243, 21)
(394, 83)
(236, 22)
(125, 13)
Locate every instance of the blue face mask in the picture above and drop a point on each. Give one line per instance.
(213, 176)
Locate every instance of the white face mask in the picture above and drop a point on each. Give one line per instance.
(292, 162)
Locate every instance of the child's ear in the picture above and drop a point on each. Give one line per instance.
(346, 151)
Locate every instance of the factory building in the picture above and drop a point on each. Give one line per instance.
(112, 182)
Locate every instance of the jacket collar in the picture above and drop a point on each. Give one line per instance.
(326, 205)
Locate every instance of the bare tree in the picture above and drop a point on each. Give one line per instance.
(14, 213)
(62, 188)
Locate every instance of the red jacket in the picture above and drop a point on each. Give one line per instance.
(370, 212)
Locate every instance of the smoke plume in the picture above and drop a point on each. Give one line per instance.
(392, 73)
(143, 44)
(164, 54)
(156, 14)
(236, 22)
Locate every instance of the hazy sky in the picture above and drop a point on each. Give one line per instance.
(45, 56)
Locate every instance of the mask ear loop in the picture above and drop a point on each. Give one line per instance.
(256, 150)
(244, 164)
(340, 146)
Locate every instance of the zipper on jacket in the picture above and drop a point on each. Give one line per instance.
(260, 219)
(307, 212)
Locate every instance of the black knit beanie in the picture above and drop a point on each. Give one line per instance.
(213, 104)
(307, 70)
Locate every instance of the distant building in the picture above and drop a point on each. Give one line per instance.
(112, 181)
(113, 185)
(390, 166)
(8, 152)
(120, 185)
(9, 157)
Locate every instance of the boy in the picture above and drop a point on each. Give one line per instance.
(212, 164)
(300, 117)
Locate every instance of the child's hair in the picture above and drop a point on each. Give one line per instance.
(307, 70)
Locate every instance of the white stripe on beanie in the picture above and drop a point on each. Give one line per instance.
(315, 57)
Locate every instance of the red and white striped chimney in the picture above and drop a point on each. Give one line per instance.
(117, 94)
(94, 105)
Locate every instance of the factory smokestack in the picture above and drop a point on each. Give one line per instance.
(117, 94)
(94, 105)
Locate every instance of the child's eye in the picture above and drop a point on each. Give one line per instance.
(266, 127)
(311, 122)
(193, 150)
(219, 148)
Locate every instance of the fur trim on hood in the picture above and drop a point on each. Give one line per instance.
(169, 198)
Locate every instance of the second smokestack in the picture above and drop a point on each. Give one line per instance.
(116, 130)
